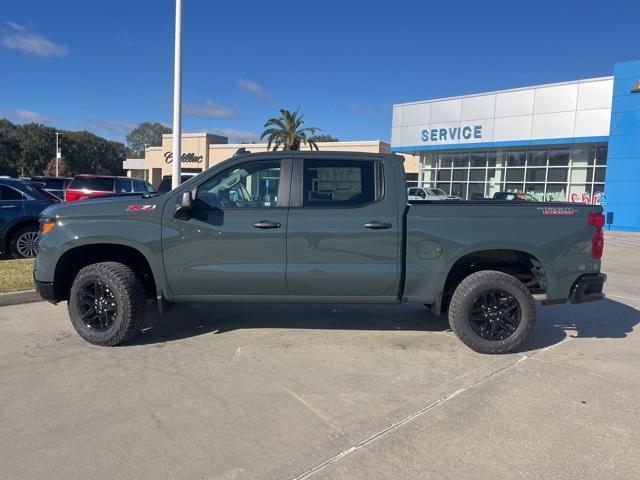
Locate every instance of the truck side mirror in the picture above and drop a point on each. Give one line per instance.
(186, 201)
(184, 207)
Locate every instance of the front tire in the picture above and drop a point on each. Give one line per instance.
(492, 312)
(24, 242)
(107, 303)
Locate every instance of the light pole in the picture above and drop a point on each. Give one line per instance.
(58, 155)
(177, 98)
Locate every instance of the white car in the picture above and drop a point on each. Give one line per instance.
(420, 193)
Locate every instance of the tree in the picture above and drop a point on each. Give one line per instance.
(88, 153)
(50, 169)
(37, 147)
(145, 134)
(323, 138)
(286, 131)
(9, 147)
(29, 150)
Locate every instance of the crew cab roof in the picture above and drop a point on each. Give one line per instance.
(324, 154)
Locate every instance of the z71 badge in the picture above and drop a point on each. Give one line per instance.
(141, 208)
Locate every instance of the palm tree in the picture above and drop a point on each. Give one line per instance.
(286, 131)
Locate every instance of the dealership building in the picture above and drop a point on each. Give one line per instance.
(575, 141)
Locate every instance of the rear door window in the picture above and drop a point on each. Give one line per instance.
(340, 183)
(93, 184)
(139, 187)
(124, 185)
(8, 193)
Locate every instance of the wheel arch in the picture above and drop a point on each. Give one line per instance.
(519, 263)
(79, 256)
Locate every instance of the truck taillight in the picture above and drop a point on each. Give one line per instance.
(597, 244)
(596, 219)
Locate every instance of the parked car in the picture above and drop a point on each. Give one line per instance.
(330, 227)
(514, 197)
(92, 186)
(165, 183)
(421, 193)
(54, 185)
(21, 202)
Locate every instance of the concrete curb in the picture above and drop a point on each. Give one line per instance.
(16, 298)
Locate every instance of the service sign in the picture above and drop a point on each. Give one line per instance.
(451, 134)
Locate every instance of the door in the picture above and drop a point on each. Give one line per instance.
(11, 207)
(234, 240)
(344, 232)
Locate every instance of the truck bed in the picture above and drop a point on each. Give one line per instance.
(555, 237)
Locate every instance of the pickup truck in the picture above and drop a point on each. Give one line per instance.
(321, 227)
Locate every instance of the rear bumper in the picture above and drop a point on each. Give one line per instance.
(45, 290)
(588, 288)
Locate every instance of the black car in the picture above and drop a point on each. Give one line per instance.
(54, 185)
(21, 202)
(165, 184)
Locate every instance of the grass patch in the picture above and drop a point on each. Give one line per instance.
(16, 275)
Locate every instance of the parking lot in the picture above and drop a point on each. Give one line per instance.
(252, 391)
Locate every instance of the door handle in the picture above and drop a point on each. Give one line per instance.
(376, 225)
(264, 224)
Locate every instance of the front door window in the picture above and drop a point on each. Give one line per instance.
(250, 185)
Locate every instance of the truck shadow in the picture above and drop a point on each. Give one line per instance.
(605, 319)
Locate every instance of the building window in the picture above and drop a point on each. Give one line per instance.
(412, 180)
(554, 173)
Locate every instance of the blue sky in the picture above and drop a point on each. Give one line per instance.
(105, 66)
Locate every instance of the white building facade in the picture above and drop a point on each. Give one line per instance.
(549, 141)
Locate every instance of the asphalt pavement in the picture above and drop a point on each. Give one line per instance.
(264, 391)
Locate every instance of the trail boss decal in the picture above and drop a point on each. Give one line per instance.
(141, 208)
(557, 210)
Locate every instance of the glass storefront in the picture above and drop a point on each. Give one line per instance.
(557, 173)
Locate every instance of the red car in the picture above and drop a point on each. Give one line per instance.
(92, 186)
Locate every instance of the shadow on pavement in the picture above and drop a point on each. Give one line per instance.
(188, 320)
(604, 319)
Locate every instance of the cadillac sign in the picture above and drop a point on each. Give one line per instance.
(184, 158)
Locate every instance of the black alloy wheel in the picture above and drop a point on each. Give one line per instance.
(492, 312)
(107, 303)
(97, 305)
(495, 315)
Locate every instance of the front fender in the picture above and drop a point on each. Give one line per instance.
(143, 235)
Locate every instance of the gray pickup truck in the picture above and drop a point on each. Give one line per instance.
(322, 227)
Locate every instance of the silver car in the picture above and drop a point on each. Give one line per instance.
(421, 193)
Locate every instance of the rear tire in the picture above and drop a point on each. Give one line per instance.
(107, 303)
(492, 312)
(24, 242)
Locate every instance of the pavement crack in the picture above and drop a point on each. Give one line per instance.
(308, 406)
(426, 409)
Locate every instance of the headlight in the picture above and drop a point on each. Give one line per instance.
(46, 226)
